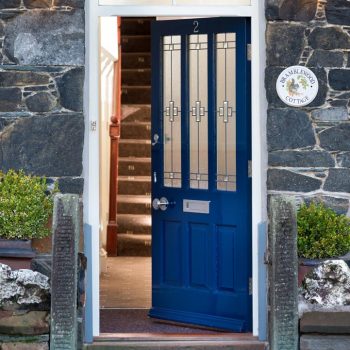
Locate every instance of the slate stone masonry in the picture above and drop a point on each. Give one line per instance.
(41, 89)
(309, 147)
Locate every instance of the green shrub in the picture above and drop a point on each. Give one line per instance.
(25, 206)
(322, 233)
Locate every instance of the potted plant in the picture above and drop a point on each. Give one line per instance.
(25, 209)
(322, 234)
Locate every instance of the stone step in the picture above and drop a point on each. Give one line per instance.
(136, 60)
(136, 26)
(136, 113)
(134, 245)
(180, 344)
(334, 322)
(128, 204)
(136, 77)
(324, 342)
(140, 185)
(136, 43)
(134, 148)
(136, 130)
(136, 94)
(134, 224)
(132, 166)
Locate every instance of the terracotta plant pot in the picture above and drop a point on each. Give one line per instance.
(16, 253)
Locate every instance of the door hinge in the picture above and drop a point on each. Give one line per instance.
(250, 168)
(249, 52)
(250, 286)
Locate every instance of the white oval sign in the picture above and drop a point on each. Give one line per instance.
(297, 86)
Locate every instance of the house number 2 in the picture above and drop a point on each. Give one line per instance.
(195, 26)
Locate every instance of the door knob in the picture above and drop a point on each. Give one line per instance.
(161, 204)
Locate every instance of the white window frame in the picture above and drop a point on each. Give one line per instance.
(91, 145)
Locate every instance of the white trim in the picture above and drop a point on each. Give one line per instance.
(259, 148)
(91, 153)
(144, 11)
(91, 148)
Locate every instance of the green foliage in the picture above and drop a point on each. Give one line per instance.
(25, 206)
(322, 233)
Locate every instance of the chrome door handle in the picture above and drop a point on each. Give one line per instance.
(156, 139)
(161, 204)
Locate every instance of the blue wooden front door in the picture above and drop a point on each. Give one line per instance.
(201, 189)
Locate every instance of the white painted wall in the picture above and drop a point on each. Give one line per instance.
(177, 2)
(108, 56)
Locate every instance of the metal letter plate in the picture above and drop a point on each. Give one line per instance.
(192, 206)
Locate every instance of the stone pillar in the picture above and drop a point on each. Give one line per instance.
(283, 278)
(66, 226)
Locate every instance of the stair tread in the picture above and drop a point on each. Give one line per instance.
(134, 220)
(135, 159)
(135, 87)
(125, 198)
(130, 70)
(135, 237)
(141, 142)
(135, 178)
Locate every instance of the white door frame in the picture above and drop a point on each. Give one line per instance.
(91, 145)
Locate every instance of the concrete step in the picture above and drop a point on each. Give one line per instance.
(136, 113)
(136, 60)
(136, 43)
(324, 342)
(134, 245)
(134, 224)
(138, 185)
(128, 204)
(136, 94)
(136, 26)
(136, 130)
(132, 166)
(136, 77)
(134, 148)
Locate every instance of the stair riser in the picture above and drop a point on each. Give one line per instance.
(136, 114)
(134, 150)
(134, 208)
(137, 188)
(136, 77)
(134, 229)
(179, 346)
(135, 26)
(136, 131)
(132, 168)
(136, 44)
(131, 248)
(136, 95)
(136, 60)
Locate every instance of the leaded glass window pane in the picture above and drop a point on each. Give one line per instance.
(172, 110)
(226, 111)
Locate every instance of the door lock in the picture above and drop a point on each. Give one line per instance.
(161, 204)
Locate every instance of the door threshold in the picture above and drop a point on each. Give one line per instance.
(151, 341)
(174, 336)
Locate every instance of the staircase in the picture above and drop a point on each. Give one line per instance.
(134, 171)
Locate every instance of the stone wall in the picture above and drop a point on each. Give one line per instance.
(309, 148)
(41, 89)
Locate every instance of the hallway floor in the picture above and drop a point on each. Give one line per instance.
(126, 283)
(125, 298)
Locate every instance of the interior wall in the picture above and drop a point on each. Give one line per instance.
(108, 57)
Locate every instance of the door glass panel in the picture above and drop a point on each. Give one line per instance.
(172, 110)
(198, 113)
(226, 111)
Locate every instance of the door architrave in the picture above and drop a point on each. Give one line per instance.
(91, 144)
